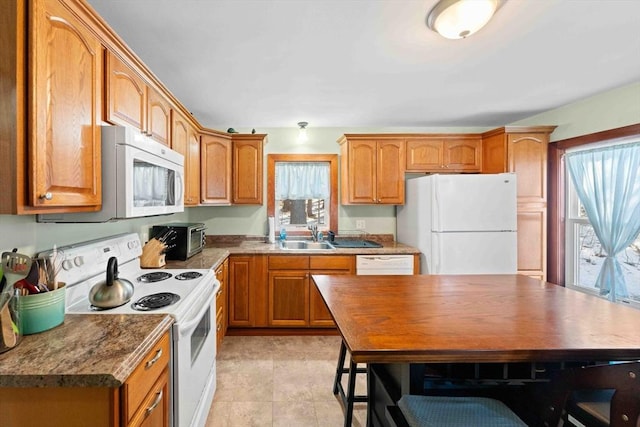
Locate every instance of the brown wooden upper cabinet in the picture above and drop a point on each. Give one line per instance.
(247, 168)
(186, 141)
(215, 163)
(64, 106)
(131, 102)
(372, 169)
(523, 150)
(444, 154)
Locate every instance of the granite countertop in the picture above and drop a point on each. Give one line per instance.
(87, 350)
(214, 254)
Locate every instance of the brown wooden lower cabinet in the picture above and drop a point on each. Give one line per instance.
(276, 291)
(221, 303)
(143, 400)
(289, 298)
(293, 298)
(247, 291)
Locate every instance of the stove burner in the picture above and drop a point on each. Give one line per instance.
(155, 301)
(188, 275)
(155, 276)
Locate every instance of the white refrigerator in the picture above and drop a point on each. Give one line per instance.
(462, 224)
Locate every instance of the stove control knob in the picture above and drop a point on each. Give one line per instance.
(67, 264)
(78, 261)
(132, 244)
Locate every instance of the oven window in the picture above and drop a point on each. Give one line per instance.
(196, 240)
(199, 335)
(153, 185)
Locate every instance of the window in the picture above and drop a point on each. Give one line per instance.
(302, 191)
(584, 252)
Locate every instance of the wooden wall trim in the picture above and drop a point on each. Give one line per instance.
(556, 186)
(333, 164)
(604, 135)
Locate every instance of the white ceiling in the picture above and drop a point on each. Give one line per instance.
(374, 63)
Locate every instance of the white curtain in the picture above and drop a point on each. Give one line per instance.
(302, 180)
(607, 181)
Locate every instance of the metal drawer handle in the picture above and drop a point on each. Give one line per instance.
(46, 196)
(219, 327)
(219, 293)
(152, 362)
(155, 403)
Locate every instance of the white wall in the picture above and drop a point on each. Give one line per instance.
(612, 109)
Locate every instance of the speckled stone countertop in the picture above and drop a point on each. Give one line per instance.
(87, 350)
(214, 254)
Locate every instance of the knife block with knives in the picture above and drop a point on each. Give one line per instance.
(153, 254)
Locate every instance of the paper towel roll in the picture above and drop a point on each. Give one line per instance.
(272, 227)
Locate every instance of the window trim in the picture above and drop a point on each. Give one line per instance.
(557, 188)
(332, 159)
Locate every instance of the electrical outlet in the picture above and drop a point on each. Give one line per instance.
(360, 224)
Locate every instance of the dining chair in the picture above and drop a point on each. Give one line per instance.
(444, 411)
(350, 397)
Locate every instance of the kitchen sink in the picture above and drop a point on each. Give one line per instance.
(304, 245)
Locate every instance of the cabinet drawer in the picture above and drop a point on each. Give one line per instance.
(219, 329)
(220, 301)
(145, 375)
(288, 262)
(154, 410)
(331, 262)
(220, 274)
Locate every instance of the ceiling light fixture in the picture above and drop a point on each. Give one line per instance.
(302, 133)
(457, 19)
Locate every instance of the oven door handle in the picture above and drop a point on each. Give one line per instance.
(185, 328)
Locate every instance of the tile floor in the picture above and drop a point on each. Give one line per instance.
(280, 381)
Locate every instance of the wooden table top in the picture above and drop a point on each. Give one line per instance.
(475, 318)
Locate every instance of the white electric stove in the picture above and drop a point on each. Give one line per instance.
(188, 295)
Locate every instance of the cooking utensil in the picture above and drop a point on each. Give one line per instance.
(9, 338)
(114, 292)
(13, 262)
(15, 266)
(55, 264)
(26, 288)
(32, 276)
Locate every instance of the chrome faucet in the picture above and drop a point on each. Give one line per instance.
(314, 232)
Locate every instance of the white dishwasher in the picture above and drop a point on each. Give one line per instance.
(384, 265)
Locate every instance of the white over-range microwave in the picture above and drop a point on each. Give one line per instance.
(140, 177)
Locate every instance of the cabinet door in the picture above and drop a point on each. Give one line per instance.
(289, 298)
(158, 117)
(241, 296)
(463, 155)
(215, 163)
(126, 102)
(319, 315)
(247, 171)
(494, 154)
(527, 157)
(179, 143)
(390, 172)
(361, 170)
(66, 105)
(532, 241)
(192, 174)
(425, 155)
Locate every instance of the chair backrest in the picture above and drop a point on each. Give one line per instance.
(624, 378)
